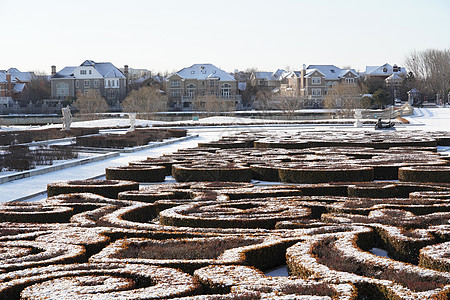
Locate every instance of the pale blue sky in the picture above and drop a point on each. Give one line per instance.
(232, 34)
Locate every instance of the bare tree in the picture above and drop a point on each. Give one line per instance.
(344, 97)
(213, 104)
(289, 105)
(145, 101)
(431, 68)
(263, 100)
(91, 103)
(38, 89)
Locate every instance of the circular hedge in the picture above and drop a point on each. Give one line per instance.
(30, 212)
(137, 173)
(372, 190)
(23, 254)
(425, 174)
(436, 257)
(166, 162)
(106, 188)
(323, 173)
(97, 281)
(211, 172)
(234, 214)
(185, 254)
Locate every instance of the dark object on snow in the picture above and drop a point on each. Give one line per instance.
(381, 125)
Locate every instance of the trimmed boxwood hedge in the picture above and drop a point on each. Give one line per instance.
(105, 281)
(185, 254)
(234, 214)
(325, 173)
(30, 212)
(137, 173)
(106, 188)
(211, 172)
(425, 174)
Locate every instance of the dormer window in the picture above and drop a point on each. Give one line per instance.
(192, 72)
(332, 71)
(385, 70)
(82, 72)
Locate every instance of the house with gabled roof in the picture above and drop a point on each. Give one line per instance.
(317, 80)
(204, 81)
(103, 77)
(290, 86)
(268, 81)
(13, 85)
(384, 71)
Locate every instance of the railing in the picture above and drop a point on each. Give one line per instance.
(390, 112)
(190, 99)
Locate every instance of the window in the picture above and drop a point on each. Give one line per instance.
(316, 92)
(226, 90)
(62, 90)
(175, 94)
(261, 82)
(110, 94)
(315, 80)
(86, 83)
(96, 83)
(90, 72)
(77, 84)
(190, 91)
(113, 82)
(211, 83)
(349, 80)
(175, 83)
(82, 72)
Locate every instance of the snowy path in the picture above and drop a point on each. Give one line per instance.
(433, 119)
(36, 185)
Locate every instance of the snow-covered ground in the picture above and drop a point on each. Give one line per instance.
(431, 119)
(425, 119)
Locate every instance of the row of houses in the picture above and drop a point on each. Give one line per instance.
(13, 84)
(195, 86)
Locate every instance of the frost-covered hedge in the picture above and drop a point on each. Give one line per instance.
(102, 281)
(136, 173)
(106, 188)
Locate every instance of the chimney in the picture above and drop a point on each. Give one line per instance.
(9, 85)
(125, 72)
(53, 71)
(302, 77)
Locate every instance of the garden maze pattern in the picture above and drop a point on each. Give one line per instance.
(213, 233)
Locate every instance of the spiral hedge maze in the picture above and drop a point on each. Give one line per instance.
(196, 239)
